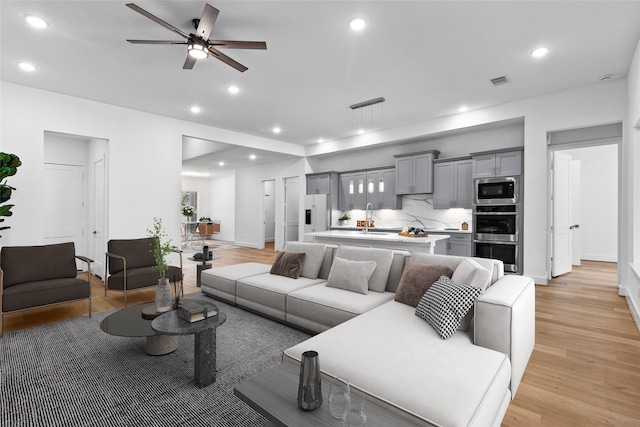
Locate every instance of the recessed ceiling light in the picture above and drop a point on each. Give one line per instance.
(463, 109)
(196, 174)
(27, 67)
(360, 131)
(320, 140)
(233, 89)
(220, 163)
(276, 130)
(539, 52)
(357, 24)
(252, 157)
(36, 22)
(195, 109)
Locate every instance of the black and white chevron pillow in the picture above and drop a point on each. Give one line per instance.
(445, 304)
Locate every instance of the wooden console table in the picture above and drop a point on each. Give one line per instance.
(273, 393)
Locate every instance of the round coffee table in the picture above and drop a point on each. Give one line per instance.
(129, 322)
(204, 354)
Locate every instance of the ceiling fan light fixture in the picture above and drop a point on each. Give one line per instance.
(197, 49)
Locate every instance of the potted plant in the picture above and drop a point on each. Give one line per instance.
(344, 218)
(9, 164)
(160, 250)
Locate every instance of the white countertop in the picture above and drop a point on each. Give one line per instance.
(384, 236)
(384, 230)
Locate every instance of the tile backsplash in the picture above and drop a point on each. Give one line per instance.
(417, 211)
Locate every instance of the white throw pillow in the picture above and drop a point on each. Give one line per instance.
(351, 275)
(470, 272)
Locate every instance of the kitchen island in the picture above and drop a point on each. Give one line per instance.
(433, 244)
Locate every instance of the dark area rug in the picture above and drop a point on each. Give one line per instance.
(71, 373)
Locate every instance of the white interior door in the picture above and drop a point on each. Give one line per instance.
(576, 251)
(269, 211)
(97, 237)
(292, 206)
(561, 203)
(63, 213)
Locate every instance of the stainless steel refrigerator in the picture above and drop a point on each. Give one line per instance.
(316, 214)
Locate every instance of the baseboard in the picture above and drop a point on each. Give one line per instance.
(635, 311)
(540, 280)
(603, 258)
(246, 245)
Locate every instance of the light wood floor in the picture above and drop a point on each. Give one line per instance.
(584, 371)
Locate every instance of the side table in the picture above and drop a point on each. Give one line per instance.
(205, 265)
(204, 354)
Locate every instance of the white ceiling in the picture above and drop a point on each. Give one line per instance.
(426, 58)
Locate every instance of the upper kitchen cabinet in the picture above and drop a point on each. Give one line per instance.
(452, 184)
(352, 192)
(414, 172)
(497, 163)
(381, 189)
(321, 183)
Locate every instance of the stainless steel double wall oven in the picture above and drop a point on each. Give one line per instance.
(497, 220)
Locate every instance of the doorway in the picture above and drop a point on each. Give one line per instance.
(75, 171)
(291, 209)
(584, 204)
(269, 207)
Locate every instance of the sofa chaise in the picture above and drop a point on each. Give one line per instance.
(375, 338)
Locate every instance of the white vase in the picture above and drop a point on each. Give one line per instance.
(164, 298)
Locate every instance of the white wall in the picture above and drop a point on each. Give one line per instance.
(629, 266)
(598, 202)
(144, 150)
(223, 206)
(248, 201)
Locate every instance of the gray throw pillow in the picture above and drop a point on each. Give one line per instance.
(416, 279)
(351, 275)
(445, 304)
(382, 257)
(288, 264)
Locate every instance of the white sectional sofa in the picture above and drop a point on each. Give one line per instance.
(382, 347)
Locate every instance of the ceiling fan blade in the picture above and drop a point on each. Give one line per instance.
(156, 42)
(224, 58)
(157, 20)
(189, 62)
(235, 44)
(208, 18)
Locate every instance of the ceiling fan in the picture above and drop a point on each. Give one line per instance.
(198, 45)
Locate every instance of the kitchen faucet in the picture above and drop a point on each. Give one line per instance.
(367, 217)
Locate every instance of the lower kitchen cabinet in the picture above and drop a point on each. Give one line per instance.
(459, 243)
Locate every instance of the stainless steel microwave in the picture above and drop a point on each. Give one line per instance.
(498, 191)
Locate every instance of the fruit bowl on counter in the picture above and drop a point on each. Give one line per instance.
(413, 232)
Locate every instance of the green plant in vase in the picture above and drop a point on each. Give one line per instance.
(160, 250)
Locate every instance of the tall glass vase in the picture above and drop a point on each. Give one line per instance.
(164, 298)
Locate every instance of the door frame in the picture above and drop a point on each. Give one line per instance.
(571, 146)
(263, 217)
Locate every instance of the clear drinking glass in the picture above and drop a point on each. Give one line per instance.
(355, 415)
(338, 397)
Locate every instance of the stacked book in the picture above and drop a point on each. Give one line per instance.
(192, 311)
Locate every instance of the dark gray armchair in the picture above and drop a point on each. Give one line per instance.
(38, 276)
(130, 265)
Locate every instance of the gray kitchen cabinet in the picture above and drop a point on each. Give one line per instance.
(459, 243)
(385, 180)
(452, 184)
(414, 172)
(352, 191)
(505, 163)
(320, 183)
